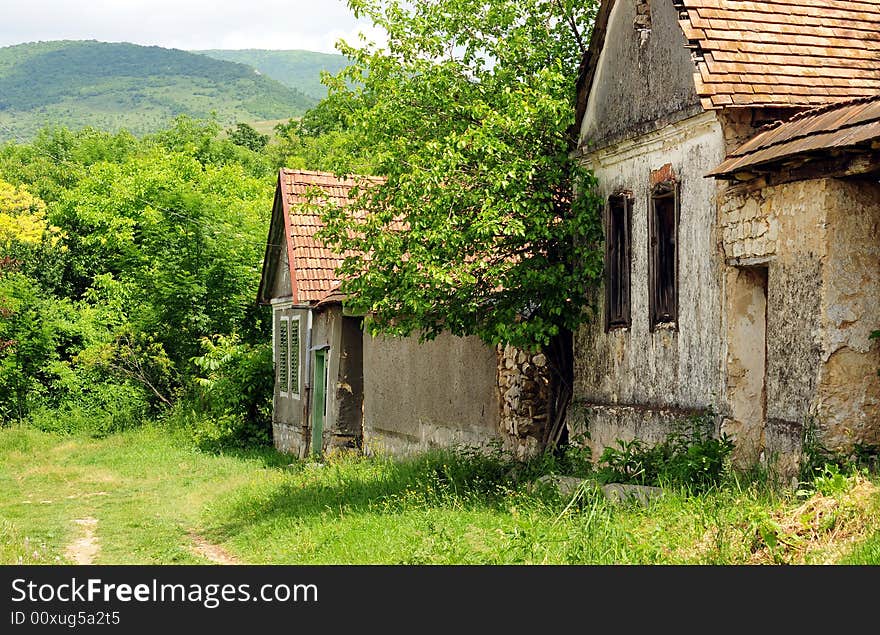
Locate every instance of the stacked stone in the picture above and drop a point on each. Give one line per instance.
(525, 385)
(749, 228)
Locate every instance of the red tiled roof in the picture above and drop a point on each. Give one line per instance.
(313, 265)
(783, 52)
(836, 127)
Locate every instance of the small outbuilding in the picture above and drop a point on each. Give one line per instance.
(336, 386)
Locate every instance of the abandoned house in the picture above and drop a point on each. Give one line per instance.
(337, 386)
(737, 148)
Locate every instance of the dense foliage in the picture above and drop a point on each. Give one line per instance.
(132, 263)
(128, 264)
(140, 88)
(468, 112)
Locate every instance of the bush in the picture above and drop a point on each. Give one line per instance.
(232, 404)
(104, 409)
(690, 456)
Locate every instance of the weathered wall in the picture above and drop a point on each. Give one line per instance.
(635, 375)
(644, 77)
(782, 227)
(281, 285)
(819, 241)
(746, 361)
(432, 394)
(349, 392)
(848, 400)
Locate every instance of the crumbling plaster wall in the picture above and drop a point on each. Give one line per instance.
(634, 382)
(644, 75)
(848, 400)
(746, 361)
(819, 240)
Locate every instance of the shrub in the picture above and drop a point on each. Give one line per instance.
(690, 456)
(233, 393)
(103, 409)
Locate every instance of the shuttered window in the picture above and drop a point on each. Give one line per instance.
(294, 356)
(663, 260)
(283, 356)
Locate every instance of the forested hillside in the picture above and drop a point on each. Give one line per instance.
(297, 69)
(139, 88)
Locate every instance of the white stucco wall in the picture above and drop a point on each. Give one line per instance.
(657, 375)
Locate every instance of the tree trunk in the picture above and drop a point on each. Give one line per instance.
(560, 361)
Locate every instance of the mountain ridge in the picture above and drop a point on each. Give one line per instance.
(292, 67)
(116, 85)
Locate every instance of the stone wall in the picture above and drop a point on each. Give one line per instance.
(820, 244)
(526, 388)
(749, 229)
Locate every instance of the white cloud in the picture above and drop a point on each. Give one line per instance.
(185, 24)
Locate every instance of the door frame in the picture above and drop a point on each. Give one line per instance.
(319, 403)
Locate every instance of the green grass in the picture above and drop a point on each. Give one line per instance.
(866, 553)
(150, 491)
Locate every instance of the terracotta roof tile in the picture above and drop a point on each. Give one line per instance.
(807, 52)
(313, 266)
(837, 126)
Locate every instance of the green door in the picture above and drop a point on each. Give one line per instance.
(319, 403)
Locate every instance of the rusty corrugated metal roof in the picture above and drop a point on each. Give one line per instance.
(783, 52)
(313, 266)
(819, 130)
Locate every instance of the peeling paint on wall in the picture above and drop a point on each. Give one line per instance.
(669, 369)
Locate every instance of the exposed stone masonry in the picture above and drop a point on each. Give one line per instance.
(749, 227)
(525, 384)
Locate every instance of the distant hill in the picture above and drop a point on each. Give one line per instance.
(297, 69)
(141, 88)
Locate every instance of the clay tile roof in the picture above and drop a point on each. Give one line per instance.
(313, 266)
(835, 127)
(783, 52)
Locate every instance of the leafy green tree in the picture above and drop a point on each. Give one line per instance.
(322, 140)
(6, 264)
(246, 136)
(486, 225)
(187, 237)
(117, 257)
(200, 139)
(469, 113)
(22, 215)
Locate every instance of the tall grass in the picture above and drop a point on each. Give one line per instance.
(151, 491)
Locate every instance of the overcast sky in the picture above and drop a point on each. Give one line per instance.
(313, 25)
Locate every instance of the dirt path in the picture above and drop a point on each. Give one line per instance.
(212, 552)
(84, 549)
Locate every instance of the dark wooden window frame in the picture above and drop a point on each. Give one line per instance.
(663, 304)
(618, 238)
